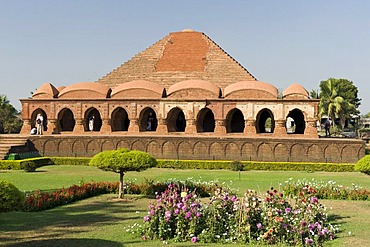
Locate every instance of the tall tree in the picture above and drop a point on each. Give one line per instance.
(338, 99)
(9, 120)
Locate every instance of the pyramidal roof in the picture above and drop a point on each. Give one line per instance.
(180, 56)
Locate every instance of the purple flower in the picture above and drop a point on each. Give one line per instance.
(194, 239)
(303, 223)
(146, 218)
(309, 241)
(177, 211)
(188, 215)
(287, 210)
(198, 214)
(151, 212)
(259, 225)
(168, 214)
(313, 200)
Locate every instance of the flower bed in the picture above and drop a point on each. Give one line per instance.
(179, 215)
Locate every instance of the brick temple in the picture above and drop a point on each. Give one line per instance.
(183, 97)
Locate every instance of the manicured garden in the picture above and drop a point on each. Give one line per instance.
(105, 220)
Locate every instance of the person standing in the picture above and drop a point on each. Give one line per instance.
(39, 123)
(91, 122)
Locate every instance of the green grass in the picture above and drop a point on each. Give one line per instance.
(101, 221)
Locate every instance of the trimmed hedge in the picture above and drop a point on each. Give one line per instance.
(29, 164)
(255, 165)
(10, 197)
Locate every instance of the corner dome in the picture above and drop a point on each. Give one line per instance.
(295, 91)
(85, 90)
(194, 89)
(46, 91)
(251, 90)
(138, 89)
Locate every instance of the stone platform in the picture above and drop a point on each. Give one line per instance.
(207, 147)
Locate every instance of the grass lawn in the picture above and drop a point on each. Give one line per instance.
(101, 221)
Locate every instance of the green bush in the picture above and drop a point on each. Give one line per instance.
(74, 161)
(10, 197)
(29, 165)
(363, 165)
(255, 165)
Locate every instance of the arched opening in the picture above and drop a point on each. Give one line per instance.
(265, 122)
(148, 120)
(93, 121)
(206, 121)
(296, 123)
(44, 122)
(235, 121)
(66, 121)
(119, 120)
(176, 120)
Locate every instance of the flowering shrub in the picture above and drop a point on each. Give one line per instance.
(326, 190)
(38, 200)
(178, 214)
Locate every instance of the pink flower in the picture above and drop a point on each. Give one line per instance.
(194, 239)
(146, 218)
(259, 225)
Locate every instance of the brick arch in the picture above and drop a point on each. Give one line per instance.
(176, 120)
(314, 153)
(64, 147)
(232, 150)
(97, 121)
(201, 150)
(138, 145)
(123, 144)
(44, 114)
(248, 151)
(361, 153)
(93, 147)
(169, 150)
(108, 145)
(154, 149)
(50, 147)
(144, 119)
(297, 153)
(66, 119)
(347, 153)
(185, 150)
(332, 153)
(216, 150)
(78, 148)
(281, 152)
(264, 152)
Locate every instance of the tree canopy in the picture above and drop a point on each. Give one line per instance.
(9, 120)
(338, 99)
(121, 161)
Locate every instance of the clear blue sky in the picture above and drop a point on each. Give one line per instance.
(279, 42)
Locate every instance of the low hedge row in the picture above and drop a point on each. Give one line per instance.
(34, 163)
(29, 165)
(255, 165)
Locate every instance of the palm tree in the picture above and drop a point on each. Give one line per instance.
(331, 103)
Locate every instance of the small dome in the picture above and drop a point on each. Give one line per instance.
(138, 89)
(85, 90)
(45, 91)
(295, 91)
(194, 89)
(188, 30)
(251, 90)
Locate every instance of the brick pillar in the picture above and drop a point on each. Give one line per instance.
(134, 125)
(311, 130)
(280, 129)
(191, 127)
(250, 128)
(26, 127)
(52, 127)
(220, 127)
(162, 126)
(79, 126)
(106, 127)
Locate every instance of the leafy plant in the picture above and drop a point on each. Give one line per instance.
(10, 197)
(363, 165)
(121, 161)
